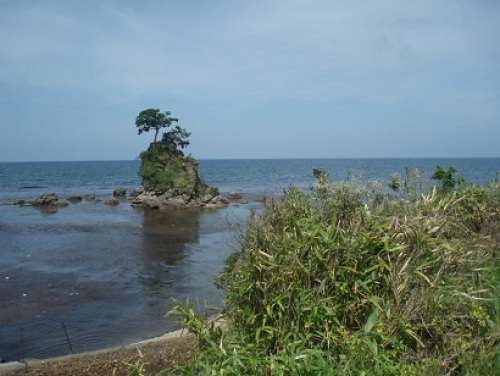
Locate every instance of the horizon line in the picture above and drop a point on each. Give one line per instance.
(247, 159)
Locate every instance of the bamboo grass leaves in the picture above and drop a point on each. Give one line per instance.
(346, 278)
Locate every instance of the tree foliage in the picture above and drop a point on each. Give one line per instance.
(154, 119)
(176, 138)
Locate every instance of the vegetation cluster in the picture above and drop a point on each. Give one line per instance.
(162, 169)
(164, 165)
(353, 279)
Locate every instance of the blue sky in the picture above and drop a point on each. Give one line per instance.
(251, 79)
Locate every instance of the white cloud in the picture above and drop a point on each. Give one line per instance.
(263, 47)
(439, 57)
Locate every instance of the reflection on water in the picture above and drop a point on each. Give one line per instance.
(109, 273)
(165, 235)
(166, 232)
(46, 210)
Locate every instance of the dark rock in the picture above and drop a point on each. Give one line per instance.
(46, 199)
(49, 199)
(171, 200)
(219, 200)
(207, 198)
(196, 202)
(75, 199)
(235, 196)
(112, 202)
(120, 192)
(214, 200)
(136, 192)
(136, 202)
(175, 202)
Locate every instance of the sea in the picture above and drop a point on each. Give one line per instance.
(89, 275)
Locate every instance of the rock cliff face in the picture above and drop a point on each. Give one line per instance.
(171, 180)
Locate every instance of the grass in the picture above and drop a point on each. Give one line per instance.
(350, 280)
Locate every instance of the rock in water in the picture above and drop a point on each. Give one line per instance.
(112, 202)
(171, 180)
(135, 192)
(49, 199)
(120, 192)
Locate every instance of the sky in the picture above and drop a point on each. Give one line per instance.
(251, 79)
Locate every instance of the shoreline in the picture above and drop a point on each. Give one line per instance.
(74, 297)
(156, 353)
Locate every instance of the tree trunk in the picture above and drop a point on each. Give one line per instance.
(156, 136)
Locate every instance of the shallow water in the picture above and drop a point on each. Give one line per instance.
(107, 273)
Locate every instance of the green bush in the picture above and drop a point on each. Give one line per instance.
(448, 181)
(349, 280)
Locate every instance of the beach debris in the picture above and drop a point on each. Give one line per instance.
(71, 348)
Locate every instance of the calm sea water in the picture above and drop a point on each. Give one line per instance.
(28, 179)
(110, 273)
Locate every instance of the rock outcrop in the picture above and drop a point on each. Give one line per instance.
(49, 199)
(173, 199)
(171, 181)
